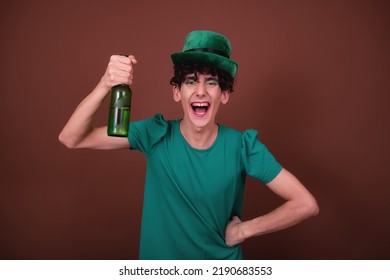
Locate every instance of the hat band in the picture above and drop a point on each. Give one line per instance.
(209, 50)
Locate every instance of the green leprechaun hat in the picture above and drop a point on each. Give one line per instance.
(207, 48)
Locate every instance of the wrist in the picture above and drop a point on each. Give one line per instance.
(245, 230)
(103, 86)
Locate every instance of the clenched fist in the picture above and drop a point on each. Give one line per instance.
(119, 70)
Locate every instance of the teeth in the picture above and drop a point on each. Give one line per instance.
(200, 104)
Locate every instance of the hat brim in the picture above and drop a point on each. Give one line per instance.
(206, 58)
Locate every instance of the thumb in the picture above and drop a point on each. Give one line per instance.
(236, 219)
(133, 59)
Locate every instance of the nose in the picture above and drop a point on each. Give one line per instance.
(201, 89)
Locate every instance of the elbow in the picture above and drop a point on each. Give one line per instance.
(307, 208)
(312, 208)
(66, 141)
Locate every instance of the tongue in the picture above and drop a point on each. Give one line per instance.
(200, 110)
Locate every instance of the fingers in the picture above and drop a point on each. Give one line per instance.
(232, 232)
(119, 70)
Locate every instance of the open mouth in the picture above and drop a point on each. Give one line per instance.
(200, 108)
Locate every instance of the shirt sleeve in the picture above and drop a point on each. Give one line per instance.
(257, 159)
(144, 134)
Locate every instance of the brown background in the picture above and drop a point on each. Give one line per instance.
(313, 79)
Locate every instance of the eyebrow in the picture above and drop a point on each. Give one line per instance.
(195, 77)
(191, 76)
(212, 79)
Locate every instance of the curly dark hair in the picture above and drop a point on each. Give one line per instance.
(226, 81)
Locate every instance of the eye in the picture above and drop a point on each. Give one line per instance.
(212, 82)
(190, 81)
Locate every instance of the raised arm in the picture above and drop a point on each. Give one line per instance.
(78, 131)
(299, 205)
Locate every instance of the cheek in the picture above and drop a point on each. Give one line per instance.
(185, 106)
(216, 107)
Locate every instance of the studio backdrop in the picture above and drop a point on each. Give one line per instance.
(313, 79)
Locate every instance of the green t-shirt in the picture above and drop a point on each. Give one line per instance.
(190, 195)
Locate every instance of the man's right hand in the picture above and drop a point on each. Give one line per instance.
(119, 71)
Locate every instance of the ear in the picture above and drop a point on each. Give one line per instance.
(176, 93)
(225, 97)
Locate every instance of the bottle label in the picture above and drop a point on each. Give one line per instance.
(118, 124)
(119, 114)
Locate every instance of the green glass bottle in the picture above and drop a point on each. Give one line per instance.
(119, 114)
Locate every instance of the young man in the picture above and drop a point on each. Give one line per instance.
(196, 168)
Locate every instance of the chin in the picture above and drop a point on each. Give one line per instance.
(201, 122)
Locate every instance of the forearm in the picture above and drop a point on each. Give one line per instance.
(80, 123)
(299, 205)
(287, 215)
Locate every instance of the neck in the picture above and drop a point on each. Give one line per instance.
(199, 138)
